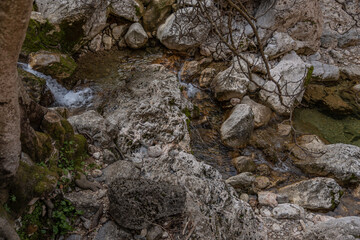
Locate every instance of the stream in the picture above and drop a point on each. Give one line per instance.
(101, 77)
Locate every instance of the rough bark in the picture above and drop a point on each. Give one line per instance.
(14, 18)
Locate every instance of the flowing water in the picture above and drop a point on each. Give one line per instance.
(63, 97)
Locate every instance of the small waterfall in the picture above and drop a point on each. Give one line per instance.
(63, 97)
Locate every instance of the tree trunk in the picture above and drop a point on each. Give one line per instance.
(14, 19)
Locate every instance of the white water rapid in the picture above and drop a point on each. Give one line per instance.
(63, 97)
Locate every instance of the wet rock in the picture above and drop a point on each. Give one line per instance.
(110, 231)
(244, 164)
(231, 83)
(98, 130)
(267, 199)
(181, 32)
(136, 36)
(190, 69)
(43, 59)
(284, 129)
(156, 13)
(262, 114)
(244, 197)
(288, 211)
(237, 129)
(119, 169)
(134, 203)
(206, 77)
(339, 160)
(86, 201)
(346, 228)
(288, 74)
(314, 194)
(242, 181)
(131, 10)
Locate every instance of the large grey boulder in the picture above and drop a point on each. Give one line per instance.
(237, 129)
(184, 29)
(262, 114)
(288, 211)
(136, 36)
(131, 10)
(301, 19)
(314, 194)
(346, 228)
(231, 83)
(287, 87)
(93, 126)
(341, 161)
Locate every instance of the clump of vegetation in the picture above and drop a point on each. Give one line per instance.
(36, 226)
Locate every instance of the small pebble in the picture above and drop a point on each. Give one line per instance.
(96, 173)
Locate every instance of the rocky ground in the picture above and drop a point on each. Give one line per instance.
(180, 142)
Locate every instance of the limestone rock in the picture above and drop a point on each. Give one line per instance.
(237, 129)
(181, 32)
(107, 41)
(315, 194)
(131, 10)
(231, 83)
(119, 31)
(156, 13)
(267, 199)
(136, 36)
(346, 228)
(119, 169)
(288, 211)
(289, 75)
(339, 160)
(95, 43)
(242, 181)
(262, 114)
(93, 125)
(136, 203)
(280, 43)
(244, 164)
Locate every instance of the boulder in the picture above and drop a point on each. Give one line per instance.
(242, 181)
(96, 43)
(206, 77)
(288, 211)
(346, 228)
(314, 194)
(156, 13)
(267, 199)
(135, 203)
(231, 83)
(119, 169)
(237, 129)
(95, 127)
(287, 87)
(107, 41)
(302, 20)
(131, 10)
(262, 114)
(119, 31)
(341, 161)
(184, 29)
(279, 44)
(136, 36)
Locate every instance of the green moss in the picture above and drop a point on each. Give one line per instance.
(308, 75)
(81, 147)
(46, 36)
(61, 70)
(187, 112)
(30, 182)
(69, 131)
(44, 147)
(34, 86)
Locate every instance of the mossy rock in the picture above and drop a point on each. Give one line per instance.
(60, 70)
(81, 150)
(57, 127)
(66, 37)
(31, 182)
(34, 85)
